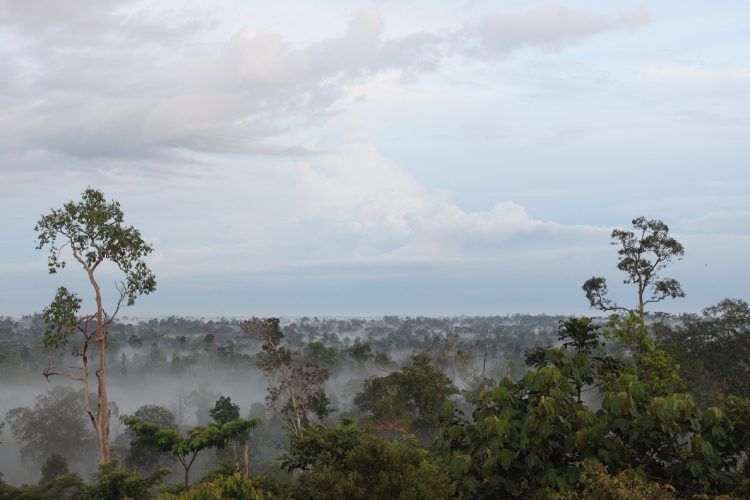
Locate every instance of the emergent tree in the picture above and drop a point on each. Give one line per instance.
(93, 232)
(643, 254)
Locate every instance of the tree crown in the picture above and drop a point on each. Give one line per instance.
(644, 252)
(94, 231)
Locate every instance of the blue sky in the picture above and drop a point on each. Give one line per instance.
(379, 157)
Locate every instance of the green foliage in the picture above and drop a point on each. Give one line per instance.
(266, 330)
(523, 437)
(648, 362)
(579, 334)
(69, 486)
(295, 391)
(198, 438)
(327, 357)
(346, 462)
(580, 360)
(113, 481)
(218, 488)
(410, 397)
(54, 466)
(596, 483)
(643, 254)
(110, 482)
(93, 230)
(140, 454)
(321, 447)
(37, 429)
(361, 352)
(712, 349)
(186, 448)
(224, 410)
(531, 437)
(61, 317)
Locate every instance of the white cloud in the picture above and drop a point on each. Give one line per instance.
(718, 222)
(549, 27)
(113, 79)
(352, 206)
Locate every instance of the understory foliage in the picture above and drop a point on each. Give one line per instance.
(111, 481)
(597, 483)
(348, 462)
(186, 448)
(218, 488)
(712, 349)
(406, 401)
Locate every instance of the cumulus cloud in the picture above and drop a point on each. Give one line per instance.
(352, 208)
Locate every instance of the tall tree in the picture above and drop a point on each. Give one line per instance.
(93, 232)
(643, 254)
(225, 411)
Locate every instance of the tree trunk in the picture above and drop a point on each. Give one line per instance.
(87, 397)
(484, 359)
(103, 412)
(296, 416)
(245, 461)
(103, 403)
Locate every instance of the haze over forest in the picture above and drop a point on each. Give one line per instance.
(369, 249)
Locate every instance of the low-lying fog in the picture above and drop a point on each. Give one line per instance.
(185, 365)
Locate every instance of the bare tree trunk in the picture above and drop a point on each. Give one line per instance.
(87, 397)
(103, 411)
(103, 403)
(484, 360)
(245, 461)
(180, 410)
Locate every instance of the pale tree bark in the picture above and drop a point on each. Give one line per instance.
(102, 404)
(245, 460)
(94, 232)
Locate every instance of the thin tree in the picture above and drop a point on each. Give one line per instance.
(92, 231)
(225, 411)
(643, 254)
(294, 392)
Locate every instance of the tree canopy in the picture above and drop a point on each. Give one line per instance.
(643, 254)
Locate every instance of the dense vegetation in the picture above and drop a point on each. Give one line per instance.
(632, 405)
(423, 422)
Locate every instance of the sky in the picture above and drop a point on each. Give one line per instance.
(379, 157)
